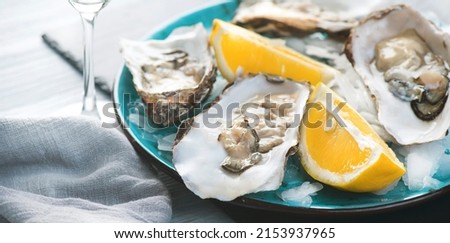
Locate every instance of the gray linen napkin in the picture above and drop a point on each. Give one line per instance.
(73, 170)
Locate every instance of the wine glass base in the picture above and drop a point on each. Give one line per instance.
(76, 110)
(92, 113)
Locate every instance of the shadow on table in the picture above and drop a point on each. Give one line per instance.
(437, 210)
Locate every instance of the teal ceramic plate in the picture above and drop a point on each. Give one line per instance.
(130, 112)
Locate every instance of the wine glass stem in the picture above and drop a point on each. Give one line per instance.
(89, 99)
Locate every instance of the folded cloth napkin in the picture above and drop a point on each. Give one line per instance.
(73, 170)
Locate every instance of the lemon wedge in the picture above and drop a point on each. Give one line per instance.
(240, 50)
(339, 148)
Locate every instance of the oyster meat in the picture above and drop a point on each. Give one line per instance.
(173, 75)
(241, 143)
(297, 17)
(403, 59)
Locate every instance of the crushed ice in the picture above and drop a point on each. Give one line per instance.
(166, 143)
(423, 161)
(301, 195)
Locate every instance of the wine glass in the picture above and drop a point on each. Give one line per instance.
(88, 10)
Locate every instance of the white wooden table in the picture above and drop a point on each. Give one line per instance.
(34, 81)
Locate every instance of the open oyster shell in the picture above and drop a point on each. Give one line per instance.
(403, 59)
(241, 143)
(297, 17)
(173, 75)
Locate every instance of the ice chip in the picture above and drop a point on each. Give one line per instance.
(444, 167)
(444, 163)
(301, 195)
(422, 162)
(166, 143)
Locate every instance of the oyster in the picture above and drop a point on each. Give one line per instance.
(403, 59)
(241, 143)
(173, 75)
(294, 17)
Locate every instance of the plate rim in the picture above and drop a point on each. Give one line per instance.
(243, 200)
